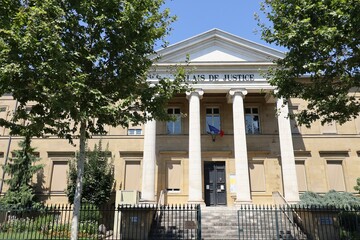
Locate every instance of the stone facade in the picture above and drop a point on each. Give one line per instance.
(261, 151)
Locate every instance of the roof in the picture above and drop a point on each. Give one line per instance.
(217, 46)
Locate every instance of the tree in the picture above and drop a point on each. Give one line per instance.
(21, 168)
(82, 65)
(322, 64)
(98, 178)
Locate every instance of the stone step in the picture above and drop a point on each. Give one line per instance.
(222, 223)
(219, 223)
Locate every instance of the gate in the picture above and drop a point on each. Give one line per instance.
(147, 222)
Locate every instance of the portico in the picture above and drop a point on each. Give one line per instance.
(229, 94)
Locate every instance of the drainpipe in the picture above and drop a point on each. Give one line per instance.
(7, 154)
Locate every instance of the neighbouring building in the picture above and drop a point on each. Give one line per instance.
(254, 149)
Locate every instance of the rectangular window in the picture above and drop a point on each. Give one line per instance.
(252, 121)
(257, 177)
(301, 175)
(335, 176)
(174, 127)
(133, 175)
(133, 131)
(59, 176)
(212, 119)
(174, 176)
(4, 115)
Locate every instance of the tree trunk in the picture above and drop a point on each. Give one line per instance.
(79, 182)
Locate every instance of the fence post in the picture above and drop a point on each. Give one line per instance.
(277, 223)
(238, 218)
(199, 222)
(117, 221)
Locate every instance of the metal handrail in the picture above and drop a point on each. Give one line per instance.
(160, 203)
(295, 220)
(161, 199)
(278, 195)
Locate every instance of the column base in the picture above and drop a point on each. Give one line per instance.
(145, 201)
(242, 202)
(293, 202)
(201, 202)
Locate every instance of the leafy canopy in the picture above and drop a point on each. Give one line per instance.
(76, 61)
(82, 65)
(98, 178)
(323, 42)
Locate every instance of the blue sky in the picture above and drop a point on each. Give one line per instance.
(198, 16)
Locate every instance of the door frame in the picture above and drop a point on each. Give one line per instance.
(207, 197)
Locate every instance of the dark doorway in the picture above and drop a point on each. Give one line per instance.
(215, 183)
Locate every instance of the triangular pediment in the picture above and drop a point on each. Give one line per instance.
(217, 46)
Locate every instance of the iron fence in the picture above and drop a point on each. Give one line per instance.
(161, 222)
(135, 222)
(54, 222)
(298, 222)
(138, 222)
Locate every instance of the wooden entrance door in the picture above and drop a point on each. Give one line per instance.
(215, 183)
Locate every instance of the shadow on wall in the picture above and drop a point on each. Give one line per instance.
(39, 185)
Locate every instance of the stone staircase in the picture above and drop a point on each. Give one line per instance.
(224, 223)
(267, 222)
(219, 223)
(255, 224)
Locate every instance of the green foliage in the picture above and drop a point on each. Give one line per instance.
(21, 169)
(16, 225)
(322, 38)
(310, 198)
(331, 198)
(43, 222)
(48, 225)
(83, 64)
(89, 213)
(88, 228)
(77, 61)
(357, 187)
(98, 177)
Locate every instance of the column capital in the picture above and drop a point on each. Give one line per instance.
(235, 92)
(272, 96)
(197, 92)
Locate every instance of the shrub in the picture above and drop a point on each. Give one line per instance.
(43, 223)
(98, 178)
(331, 198)
(17, 225)
(88, 227)
(89, 213)
(21, 169)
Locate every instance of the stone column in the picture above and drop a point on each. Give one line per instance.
(149, 163)
(290, 184)
(243, 195)
(195, 170)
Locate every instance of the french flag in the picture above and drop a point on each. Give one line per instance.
(214, 130)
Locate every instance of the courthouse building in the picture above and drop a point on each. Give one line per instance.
(231, 142)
